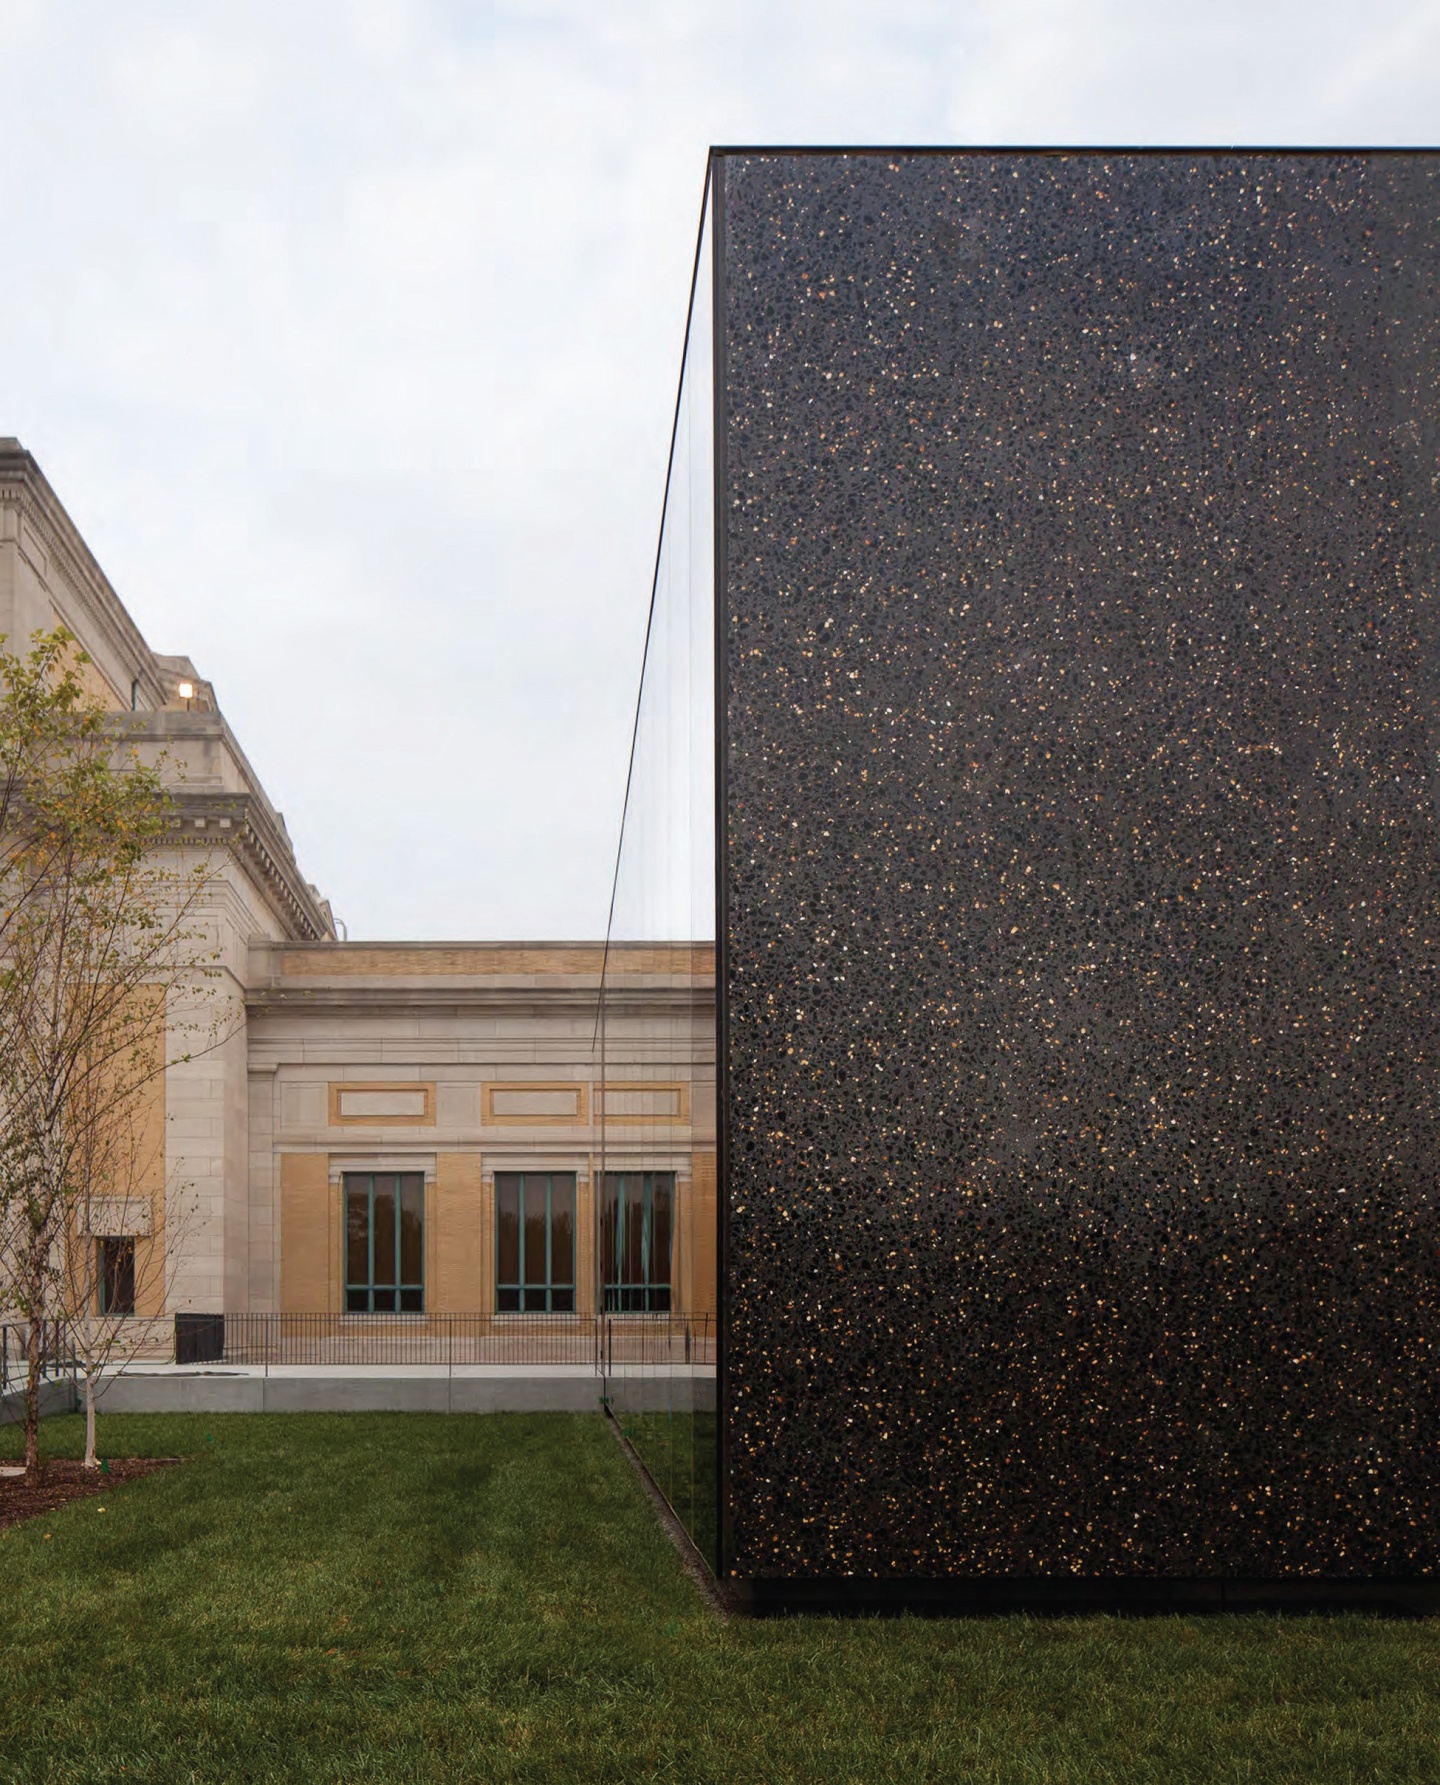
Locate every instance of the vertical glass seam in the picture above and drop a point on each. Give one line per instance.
(716, 183)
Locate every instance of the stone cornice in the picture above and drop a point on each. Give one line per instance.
(246, 824)
(245, 820)
(179, 728)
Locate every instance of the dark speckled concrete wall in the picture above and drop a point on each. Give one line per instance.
(1082, 929)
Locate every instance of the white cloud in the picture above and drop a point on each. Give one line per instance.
(348, 332)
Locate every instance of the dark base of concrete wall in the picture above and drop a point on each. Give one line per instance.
(849, 1596)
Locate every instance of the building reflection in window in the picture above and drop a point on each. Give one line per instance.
(535, 1242)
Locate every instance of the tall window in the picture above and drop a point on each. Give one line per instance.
(117, 1276)
(637, 1219)
(535, 1242)
(384, 1242)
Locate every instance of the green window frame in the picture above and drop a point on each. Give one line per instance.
(637, 1227)
(384, 1242)
(535, 1242)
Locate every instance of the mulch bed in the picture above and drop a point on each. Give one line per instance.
(63, 1479)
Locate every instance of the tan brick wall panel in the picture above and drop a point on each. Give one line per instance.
(456, 1240)
(309, 1235)
(351, 959)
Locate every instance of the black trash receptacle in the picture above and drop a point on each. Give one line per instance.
(199, 1338)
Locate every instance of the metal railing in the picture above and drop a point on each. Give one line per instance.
(603, 1342)
(57, 1354)
(457, 1340)
(630, 1341)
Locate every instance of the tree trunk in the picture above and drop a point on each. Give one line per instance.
(34, 1353)
(91, 1460)
(40, 1234)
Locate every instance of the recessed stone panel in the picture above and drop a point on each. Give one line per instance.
(543, 1104)
(642, 1104)
(382, 1105)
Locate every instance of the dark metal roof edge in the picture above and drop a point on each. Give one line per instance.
(728, 149)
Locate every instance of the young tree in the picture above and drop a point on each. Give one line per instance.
(124, 1218)
(98, 931)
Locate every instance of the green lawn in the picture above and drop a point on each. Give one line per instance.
(679, 1451)
(409, 1597)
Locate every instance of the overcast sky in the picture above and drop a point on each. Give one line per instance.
(348, 330)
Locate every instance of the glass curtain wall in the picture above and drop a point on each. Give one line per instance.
(656, 1028)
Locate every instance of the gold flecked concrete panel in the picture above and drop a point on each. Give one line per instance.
(1079, 700)
(309, 1251)
(458, 1280)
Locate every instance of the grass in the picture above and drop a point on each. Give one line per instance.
(412, 1597)
(679, 1451)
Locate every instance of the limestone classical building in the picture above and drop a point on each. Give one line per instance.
(387, 1128)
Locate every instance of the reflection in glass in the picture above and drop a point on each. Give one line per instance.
(117, 1276)
(383, 1222)
(656, 1277)
(357, 1244)
(384, 1242)
(535, 1242)
(635, 1241)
